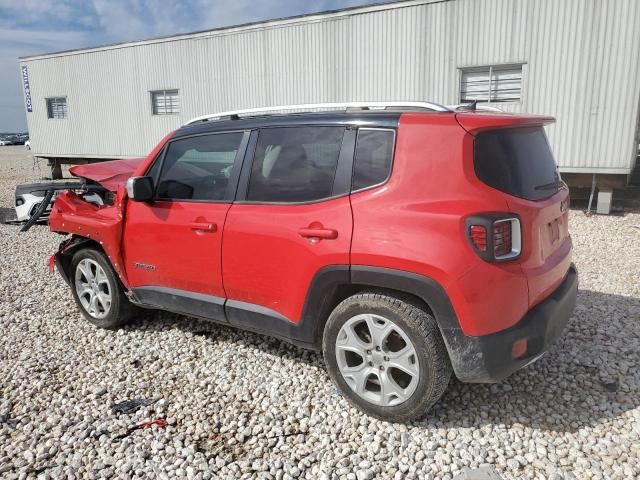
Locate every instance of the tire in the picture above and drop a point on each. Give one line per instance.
(119, 309)
(394, 383)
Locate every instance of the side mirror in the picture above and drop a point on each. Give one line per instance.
(140, 189)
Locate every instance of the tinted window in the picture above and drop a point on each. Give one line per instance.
(198, 168)
(295, 164)
(518, 162)
(374, 153)
(154, 170)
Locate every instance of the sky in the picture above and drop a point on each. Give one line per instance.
(29, 27)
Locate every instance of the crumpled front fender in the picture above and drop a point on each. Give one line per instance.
(102, 224)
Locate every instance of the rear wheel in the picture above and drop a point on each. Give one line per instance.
(387, 356)
(97, 291)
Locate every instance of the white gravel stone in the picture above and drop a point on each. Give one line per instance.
(239, 405)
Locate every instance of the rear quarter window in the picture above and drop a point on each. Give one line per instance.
(373, 159)
(518, 162)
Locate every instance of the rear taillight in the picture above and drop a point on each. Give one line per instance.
(478, 235)
(502, 238)
(495, 237)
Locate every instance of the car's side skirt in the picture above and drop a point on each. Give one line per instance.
(199, 305)
(243, 315)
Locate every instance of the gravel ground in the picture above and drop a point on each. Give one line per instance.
(240, 405)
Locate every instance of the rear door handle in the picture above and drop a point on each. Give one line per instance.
(324, 233)
(203, 226)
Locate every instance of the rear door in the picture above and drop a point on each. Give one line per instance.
(173, 245)
(291, 219)
(518, 161)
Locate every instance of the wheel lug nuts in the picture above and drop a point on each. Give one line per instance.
(377, 349)
(381, 367)
(368, 352)
(386, 359)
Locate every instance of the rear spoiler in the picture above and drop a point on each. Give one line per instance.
(475, 122)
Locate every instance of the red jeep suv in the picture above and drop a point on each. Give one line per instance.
(407, 241)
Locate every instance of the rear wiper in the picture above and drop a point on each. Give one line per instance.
(550, 186)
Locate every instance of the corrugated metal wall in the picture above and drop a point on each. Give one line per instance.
(582, 65)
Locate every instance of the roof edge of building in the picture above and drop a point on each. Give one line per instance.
(277, 22)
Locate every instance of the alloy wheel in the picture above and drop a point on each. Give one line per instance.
(377, 359)
(92, 287)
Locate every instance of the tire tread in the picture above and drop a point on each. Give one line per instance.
(421, 323)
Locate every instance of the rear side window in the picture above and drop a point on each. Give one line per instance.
(295, 164)
(198, 168)
(374, 154)
(517, 161)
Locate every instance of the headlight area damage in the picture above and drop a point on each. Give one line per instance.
(91, 223)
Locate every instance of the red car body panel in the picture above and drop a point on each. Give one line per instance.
(432, 160)
(71, 214)
(109, 174)
(267, 261)
(546, 255)
(184, 254)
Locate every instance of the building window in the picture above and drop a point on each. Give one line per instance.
(165, 102)
(57, 107)
(494, 83)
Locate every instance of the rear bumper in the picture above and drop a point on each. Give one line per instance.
(488, 359)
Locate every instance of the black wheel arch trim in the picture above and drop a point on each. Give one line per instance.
(65, 253)
(323, 294)
(425, 288)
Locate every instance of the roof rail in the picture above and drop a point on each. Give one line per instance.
(307, 107)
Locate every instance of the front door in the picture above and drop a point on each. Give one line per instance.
(173, 245)
(292, 218)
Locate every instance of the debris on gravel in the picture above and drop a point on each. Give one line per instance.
(130, 406)
(239, 405)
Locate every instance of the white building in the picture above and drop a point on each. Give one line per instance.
(578, 60)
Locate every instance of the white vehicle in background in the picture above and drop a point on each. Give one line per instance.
(4, 142)
(29, 197)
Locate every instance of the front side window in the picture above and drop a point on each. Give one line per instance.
(57, 107)
(374, 154)
(165, 102)
(491, 84)
(198, 168)
(295, 164)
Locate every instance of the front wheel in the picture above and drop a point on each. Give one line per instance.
(387, 356)
(97, 291)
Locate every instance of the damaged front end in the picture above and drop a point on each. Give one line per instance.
(88, 224)
(92, 224)
(98, 184)
(34, 201)
(97, 225)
